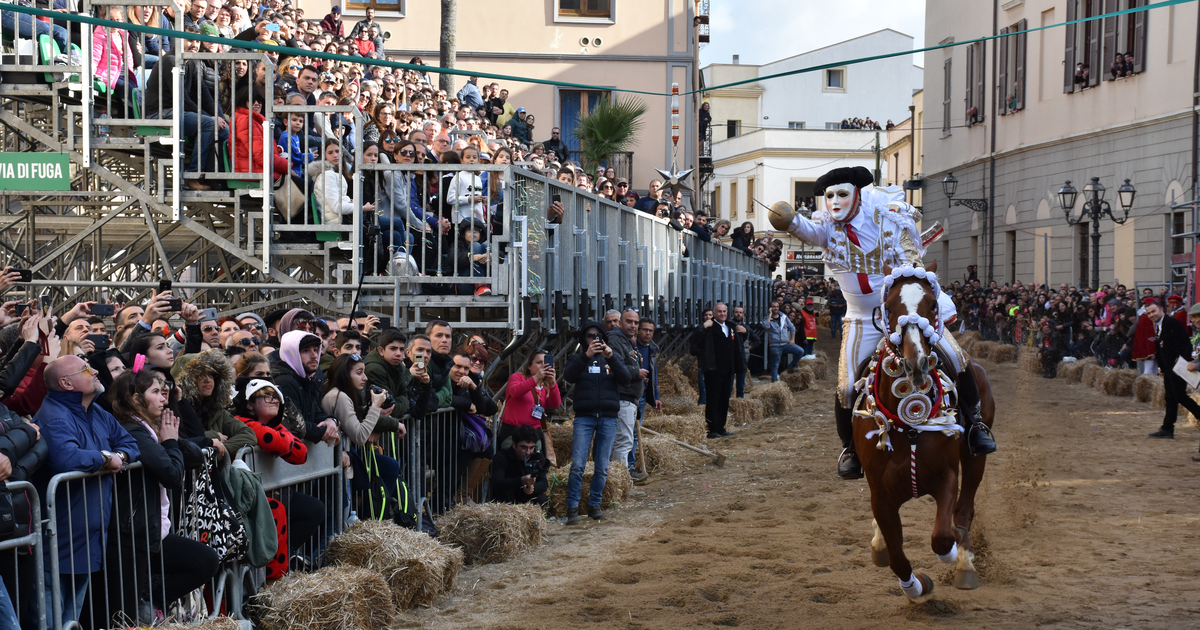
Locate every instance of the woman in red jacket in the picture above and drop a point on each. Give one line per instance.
(246, 137)
(530, 394)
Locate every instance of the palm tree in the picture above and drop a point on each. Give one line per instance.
(611, 127)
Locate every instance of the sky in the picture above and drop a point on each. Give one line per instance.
(761, 31)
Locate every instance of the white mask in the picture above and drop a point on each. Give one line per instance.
(842, 201)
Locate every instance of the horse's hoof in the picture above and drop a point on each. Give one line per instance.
(926, 589)
(880, 558)
(966, 580)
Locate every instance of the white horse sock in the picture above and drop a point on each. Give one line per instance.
(951, 556)
(912, 588)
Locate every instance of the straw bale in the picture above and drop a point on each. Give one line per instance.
(1090, 373)
(1160, 395)
(746, 410)
(967, 341)
(672, 383)
(677, 406)
(335, 598)
(618, 487)
(1073, 371)
(1004, 353)
(1118, 383)
(692, 373)
(216, 623)
(819, 367)
(1028, 361)
(561, 436)
(800, 378)
(983, 349)
(823, 320)
(493, 532)
(662, 455)
(1145, 386)
(776, 399)
(418, 568)
(822, 355)
(691, 428)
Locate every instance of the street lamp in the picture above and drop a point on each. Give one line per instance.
(950, 186)
(1095, 209)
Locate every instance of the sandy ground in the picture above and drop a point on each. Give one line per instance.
(1083, 522)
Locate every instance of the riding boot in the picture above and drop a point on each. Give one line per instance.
(979, 436)
(848, 465)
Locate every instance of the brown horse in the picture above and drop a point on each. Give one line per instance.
(908, 385)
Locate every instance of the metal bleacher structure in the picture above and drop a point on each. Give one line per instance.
(130, 219)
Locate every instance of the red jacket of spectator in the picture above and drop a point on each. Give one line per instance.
(278, 441)
(520, 397)
(247, 134)
(365, 46)
(28, 397)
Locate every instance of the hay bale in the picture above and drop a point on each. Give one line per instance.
(334, 598)
(1073, 370)
(418, 568)
(983, 349)
(1118, 383)
(746, 410)
(1028, 361)
(1160, 396)
(823, 320)
(1089, 374)
(618, 487)
(799, 379)
(493, 532)
(1004, 353)
(1144, 387)
(662, 456)
(692, 373)
(561, 436)
(691, 428)
(967, 341)
(216, 623)
(673, 383)
(819, 367)
(776, 398)
(821, 354)
(676, 406)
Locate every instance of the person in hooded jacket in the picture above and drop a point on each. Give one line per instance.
(206, 382)
(153, 347)
(294, 371)
(598, 374)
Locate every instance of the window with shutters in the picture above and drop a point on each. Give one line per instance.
(733, 199)
(716, 203)
(1011, 77)
(750, 198)
(835, 80)
(946, 69)
(1124, 39)
(976, 74)
(1083, 64)
(594, 9)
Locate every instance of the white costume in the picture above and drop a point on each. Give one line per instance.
(857, 243)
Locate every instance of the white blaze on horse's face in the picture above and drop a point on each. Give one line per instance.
(841, 200)
(911, 295)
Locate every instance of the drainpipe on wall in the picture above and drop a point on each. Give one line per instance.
(991, 218)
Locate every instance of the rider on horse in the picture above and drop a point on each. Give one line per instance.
(862, 229)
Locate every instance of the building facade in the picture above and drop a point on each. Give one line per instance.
(632, 45)
(1033, 110)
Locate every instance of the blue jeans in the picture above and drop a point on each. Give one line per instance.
(399, 236)
(202, 143)
(25, 22)
(700, 385)
(74, 588)
(604, 433)
(741, 384)
(775, 353)
(807, 346)
(8, 614)
(835, 326)
(641, 413)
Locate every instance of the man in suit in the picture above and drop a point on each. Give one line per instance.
(720, 357)
(1171, 343)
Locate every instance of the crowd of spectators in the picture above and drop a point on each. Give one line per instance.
(863, 123)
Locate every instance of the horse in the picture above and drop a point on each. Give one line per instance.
(908, 438)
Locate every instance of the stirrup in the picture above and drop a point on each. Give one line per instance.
(848, 465)
(980, 440)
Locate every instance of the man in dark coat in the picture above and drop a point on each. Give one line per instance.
(720, 358)
(1171, 343)
(513, 481)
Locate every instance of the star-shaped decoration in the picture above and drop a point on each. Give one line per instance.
(674, 181)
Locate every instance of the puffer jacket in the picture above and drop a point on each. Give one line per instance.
(213, 409)
(330, 192)
(597, 380)
(623, 347)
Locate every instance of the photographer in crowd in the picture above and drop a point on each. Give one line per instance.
(519, 471)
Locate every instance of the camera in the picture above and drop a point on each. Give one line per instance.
(23, 275)
(99, 342)
(175, 304)
(535, 465)
(387, 402)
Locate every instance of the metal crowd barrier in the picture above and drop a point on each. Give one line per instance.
(26, 552)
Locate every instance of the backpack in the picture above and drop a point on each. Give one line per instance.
(474, 434)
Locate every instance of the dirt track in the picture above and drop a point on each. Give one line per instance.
(1083, 522)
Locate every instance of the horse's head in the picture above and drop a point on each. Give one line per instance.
(911, 315)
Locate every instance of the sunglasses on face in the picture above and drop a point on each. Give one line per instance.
(209, 328)
(407, 152)
(248, 342)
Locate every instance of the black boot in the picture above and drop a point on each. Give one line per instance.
(979, 436)
(848, 465)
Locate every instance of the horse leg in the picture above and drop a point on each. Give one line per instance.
(965, 575)
(879, 551)
(917, 587)
(943, 539)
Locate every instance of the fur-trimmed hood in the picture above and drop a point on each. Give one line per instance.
(215, 364)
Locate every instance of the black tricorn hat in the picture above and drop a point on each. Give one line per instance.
(857, 176)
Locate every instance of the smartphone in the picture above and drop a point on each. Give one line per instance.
(175, 304)
(99, 341)
(549, 360)
(23, 275)
(556, 197)
(273, 27)
(102, 310)
(164, 286)
(20, 308)
(208, 314)
(46, 304)
(385, 323)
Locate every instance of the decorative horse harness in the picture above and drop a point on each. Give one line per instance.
(932, 408)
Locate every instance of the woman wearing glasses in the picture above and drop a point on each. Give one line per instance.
(206, 382)
(383, 121)
(400, 199)
(227, 326)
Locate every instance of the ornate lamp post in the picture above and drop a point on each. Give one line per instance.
(950, 186)
(1095, 209)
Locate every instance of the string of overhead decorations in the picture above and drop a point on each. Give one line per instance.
(287, 50)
